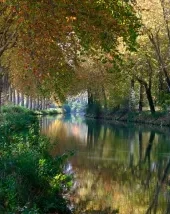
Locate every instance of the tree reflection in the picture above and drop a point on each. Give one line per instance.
(117, 168)
(154, 203)
(140, 148)
(149, 147)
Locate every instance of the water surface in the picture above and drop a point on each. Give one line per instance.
(118, 168)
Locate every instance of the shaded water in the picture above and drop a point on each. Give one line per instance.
(117, 168)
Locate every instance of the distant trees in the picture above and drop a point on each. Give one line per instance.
(148, 67)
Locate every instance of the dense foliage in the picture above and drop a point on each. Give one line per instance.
(140, 80)
(31, 181)
(43, 41)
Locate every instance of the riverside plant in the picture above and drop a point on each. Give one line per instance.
(31, 181)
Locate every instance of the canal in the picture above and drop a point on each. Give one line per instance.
(117, 168)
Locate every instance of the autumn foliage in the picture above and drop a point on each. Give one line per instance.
(50, 36)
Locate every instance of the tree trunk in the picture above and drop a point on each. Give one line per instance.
(132, 96)
(38, 103)
(0, 100)
(1, 86)
(10, 94)
(150, 99)
(14, 97)
(160, 59)
(22, 99)
(18, 98)
(27, 102)
(90, 98)
(43, 103)
(31, 102)
(141, 97)
(104, 96)
(34, 103)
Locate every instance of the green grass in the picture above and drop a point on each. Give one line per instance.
(49, 112)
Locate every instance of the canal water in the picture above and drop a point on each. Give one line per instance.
(117, 168)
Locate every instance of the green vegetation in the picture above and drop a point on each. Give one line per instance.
(119, 55)
(160, 118)
(31, 181)
(49, 111)
(117, 52)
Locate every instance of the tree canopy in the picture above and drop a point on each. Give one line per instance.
(42, 40)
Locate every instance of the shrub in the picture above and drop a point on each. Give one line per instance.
(31, 181)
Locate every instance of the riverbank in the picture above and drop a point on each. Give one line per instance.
(31, 180)
(158, 119)
(49, 112)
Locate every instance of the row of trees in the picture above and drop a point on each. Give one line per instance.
(55, 49)
(9, 95)
(43, 44)
(17, 98)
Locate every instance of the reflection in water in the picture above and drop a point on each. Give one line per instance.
(117, 169)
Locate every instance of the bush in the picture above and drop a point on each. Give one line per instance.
(31, 181)
(164, 100)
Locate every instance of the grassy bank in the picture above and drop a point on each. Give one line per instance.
(159, 118)
(49, 112)
(31, 181)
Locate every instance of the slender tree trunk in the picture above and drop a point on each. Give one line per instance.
(10, 94)
(132, 96)
(31, 102)
(155, 42)
(0, 100)
(18, 98)
(27, 102)
(104, 96)
(150, 99)
(22, 99)
(90, 98)
(43, 103)
(148, 94)
(34, 103)
(14, 97)
(38, 103)
(1, 86)
(141, 96)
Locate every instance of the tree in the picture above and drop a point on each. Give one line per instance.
(51, 33)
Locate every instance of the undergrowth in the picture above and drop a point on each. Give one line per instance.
(31, 181)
